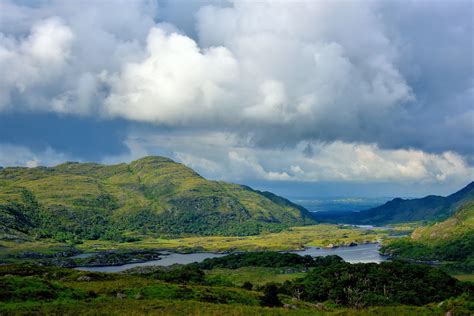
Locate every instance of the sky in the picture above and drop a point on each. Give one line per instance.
(304, 98)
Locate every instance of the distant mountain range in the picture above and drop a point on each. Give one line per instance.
(153, 195)
(430, 208)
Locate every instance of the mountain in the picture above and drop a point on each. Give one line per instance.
(430, 208)
(456, 226)
(451, 240)
(150, 195)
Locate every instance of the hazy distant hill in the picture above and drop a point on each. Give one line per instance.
(430, 208)
(150, 195)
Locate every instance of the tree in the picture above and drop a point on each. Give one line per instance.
(247, 286)
(270, 295)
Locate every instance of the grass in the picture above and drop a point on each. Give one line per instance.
(254, 275)
(465, 277)
(111, 306)
(114, 306)
(457, 225)
(295, 238)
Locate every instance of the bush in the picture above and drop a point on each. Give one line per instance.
(270, 295)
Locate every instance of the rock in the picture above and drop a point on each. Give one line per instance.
(352, 244)
(84, 278)
(290, 306)
(138, 296)
(320, 306)
(121, 295)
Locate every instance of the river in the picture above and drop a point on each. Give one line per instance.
(360, 253)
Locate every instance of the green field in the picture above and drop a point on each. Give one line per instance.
(465, 277)
(254, 275)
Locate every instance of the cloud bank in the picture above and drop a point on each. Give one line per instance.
(229, 157)
(343, 90)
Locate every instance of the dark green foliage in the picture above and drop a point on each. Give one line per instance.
(449, 243)
(260, 259)
(270, 295)
(388, 283)
(190, 273)
(459, 251)
(247, 286)
(330, 281)
(117, 258)
(33, 283)
(195, 222)
(17, 289)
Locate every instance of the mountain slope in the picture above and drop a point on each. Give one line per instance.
(458, 225)
(451, 240)
(150, 195)
(430, 208)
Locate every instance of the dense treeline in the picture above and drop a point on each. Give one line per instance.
(262, 259)
(454, 254)
(357, 285)
(370, 284)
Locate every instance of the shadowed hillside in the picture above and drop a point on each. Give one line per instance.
(430, 208)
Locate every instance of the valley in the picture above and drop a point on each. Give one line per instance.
(154, 236)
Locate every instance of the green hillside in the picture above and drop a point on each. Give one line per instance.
(450, 242)
(153, 195)
(430, 208)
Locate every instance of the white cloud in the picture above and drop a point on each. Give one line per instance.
(228, 157)
(14, 155)
(271, 63)
(176, 83)
(34, 61)
(255, 84)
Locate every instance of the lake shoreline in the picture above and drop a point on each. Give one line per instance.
(367, 252)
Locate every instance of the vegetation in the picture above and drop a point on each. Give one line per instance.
(251, 277)
(368, 284)
(129, 212)
(431, 208)
(451, 242)
(154, 195)
(330, 287)
(265, 259)
(294, 238)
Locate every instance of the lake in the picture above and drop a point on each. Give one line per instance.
(357, 254)
(360, 253)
